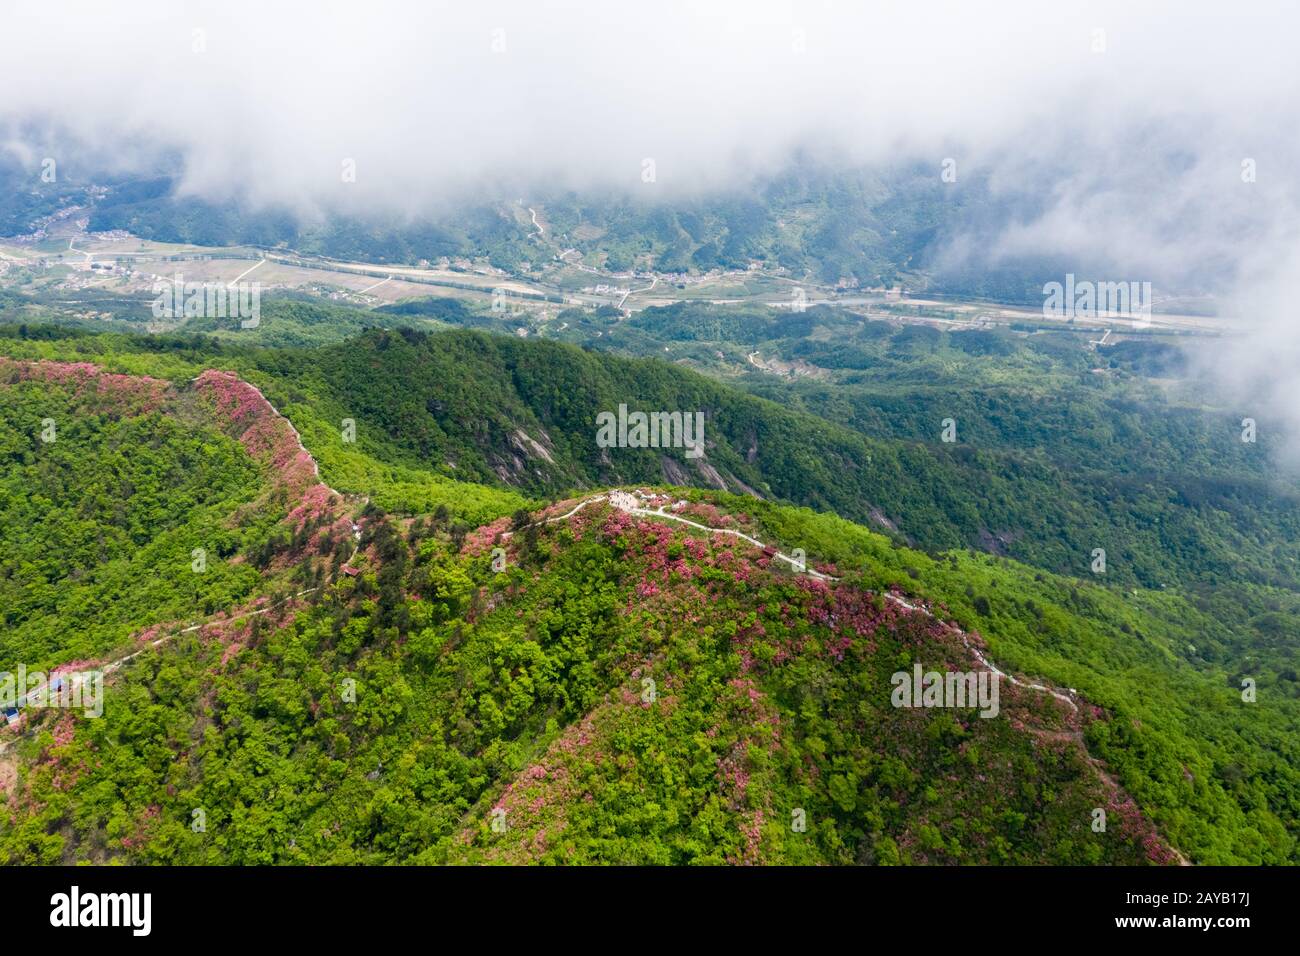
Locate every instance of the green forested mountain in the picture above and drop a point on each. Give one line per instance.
(104, 494)
(1043, 481)
(1050, 463)
(815, 436)
(584, 694)
(375, 697)
(1059, 449)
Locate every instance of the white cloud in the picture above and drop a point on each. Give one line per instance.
(1139, 146)
(582, 92)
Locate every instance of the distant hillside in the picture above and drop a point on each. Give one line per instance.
(863, 227)
(523, 413)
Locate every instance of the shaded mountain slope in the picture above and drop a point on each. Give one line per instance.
(523, 413)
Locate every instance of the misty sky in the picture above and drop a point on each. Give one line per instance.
(1138, 132)
(433, 99)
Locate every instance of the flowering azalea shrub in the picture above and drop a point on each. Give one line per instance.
(114, 493)
(481, 540)
(269, 438)
(626, 690)
(466, 678)
(96, 388)
(936, 796)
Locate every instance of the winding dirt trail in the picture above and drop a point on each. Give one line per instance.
(630, 503)
(1065, 695)
(112, 665)
(627, 502)
(315, 466)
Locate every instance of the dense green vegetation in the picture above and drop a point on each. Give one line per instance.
(520, 690)
(1170, 492)
(98, 525)
(297, 321)
(1051, 461)
(391, 484)
(523, 691)
(527, 692)
(1059, 449)
(1218, 775)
